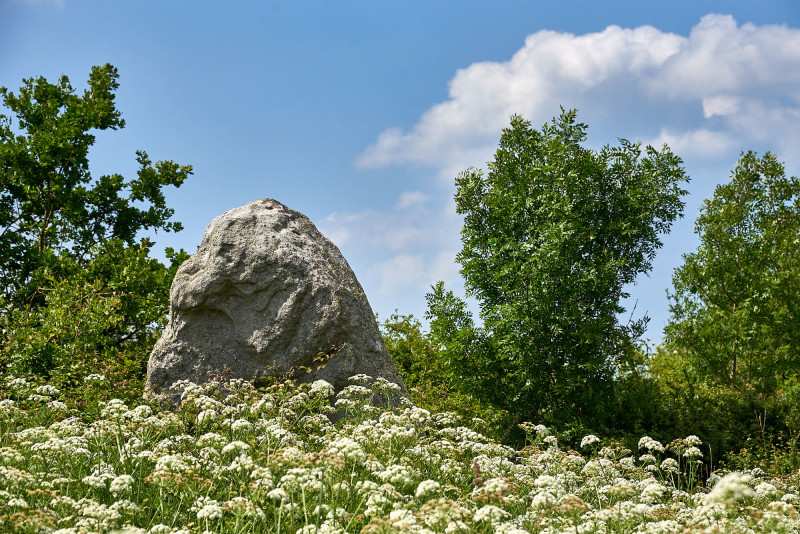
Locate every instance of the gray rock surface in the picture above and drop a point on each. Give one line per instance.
(265, 294)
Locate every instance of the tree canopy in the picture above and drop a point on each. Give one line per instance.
(736, 300)
(50, 204)
(551, 236)
(76, 278)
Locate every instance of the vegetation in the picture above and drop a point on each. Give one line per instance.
(551, 236)
(75, 279)
(233, 459)
(431, 384)
(732, 346)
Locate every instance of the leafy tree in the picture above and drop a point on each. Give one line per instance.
(736, 302)
(734, 331)
(74, 276)
(49, 203)
(551, 236)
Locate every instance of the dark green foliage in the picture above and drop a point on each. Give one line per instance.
(50, 205)
(113, 307)
(79, 293)
(430, 379)
(732, 345)
(551, 235)
(736, 305)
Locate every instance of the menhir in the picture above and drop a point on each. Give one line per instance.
(264, 296)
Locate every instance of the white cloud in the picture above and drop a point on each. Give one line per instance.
(722, 89)
(705, 143)
(415, 273)
(399, 253)
(642, 80)
(411, 198)
(402, 272)
(393, 230)
(720, 57)
(720, 105)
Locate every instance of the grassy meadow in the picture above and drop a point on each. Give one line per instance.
(233, 459)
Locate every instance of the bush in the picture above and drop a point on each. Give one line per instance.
(432, 380)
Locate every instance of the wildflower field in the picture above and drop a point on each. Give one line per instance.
(233, 459)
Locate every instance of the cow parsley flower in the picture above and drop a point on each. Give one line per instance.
(731, 489)
(206, 416)
(113, 409)
(426, 488)
(278, 494)
(19, 502)
(669, 465)
(693, 441)
(241, 425)
(360, 378)
(17, 384)
(94, 378)
(235, 447)
(766, 490)
(591, 439)
(650, 444)
(207, 509)
(347, 449)
(693, 452)
(321, 388)
(490, 513)
(47, 390)
(121, 484)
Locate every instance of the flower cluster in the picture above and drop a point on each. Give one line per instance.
(234, 459)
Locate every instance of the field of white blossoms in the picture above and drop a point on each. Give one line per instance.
(232, 459)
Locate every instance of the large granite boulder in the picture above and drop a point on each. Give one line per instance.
(266, 294)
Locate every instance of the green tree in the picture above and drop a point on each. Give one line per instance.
(75, 275)
(734, 329)
(49, 203)
(551, 236)
(736, 301)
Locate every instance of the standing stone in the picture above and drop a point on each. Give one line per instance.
(264, 295)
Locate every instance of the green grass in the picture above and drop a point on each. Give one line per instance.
(233, 459)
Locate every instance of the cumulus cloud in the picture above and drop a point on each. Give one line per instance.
(400, 252)
(411, 198)
(722, 89)
(720, 105)
(696, 143)
(719, 88)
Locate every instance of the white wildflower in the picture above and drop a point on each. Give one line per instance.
(241, 425)
(490, 513)
(207, 416)
(121, 484)
(669, 465)
(321, 388)
(94, 378)
(692, 452)
(17, 384)
(765, 489)
(235, 447)
(426, 488)
(693, 441)
(47, 390)
(591, 439)
(731, 489)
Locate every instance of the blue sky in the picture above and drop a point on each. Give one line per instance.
(360, 114)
